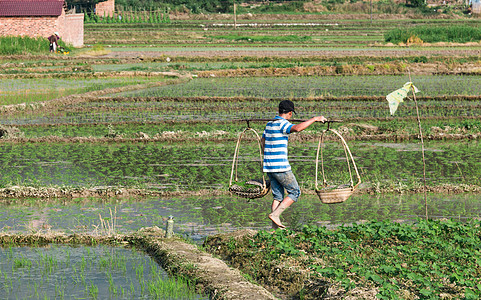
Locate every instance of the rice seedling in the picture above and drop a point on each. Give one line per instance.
(303, 87)
(76, 274)
(156, 165)
(21, 263)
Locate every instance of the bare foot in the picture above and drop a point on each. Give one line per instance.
(277, 221)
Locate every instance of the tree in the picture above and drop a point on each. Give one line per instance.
(416, 3)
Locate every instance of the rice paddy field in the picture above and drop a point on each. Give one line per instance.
(86, 272)
(99, 149)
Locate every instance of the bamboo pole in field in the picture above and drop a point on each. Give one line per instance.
(422, 150)
(370, 10)
(235, 15)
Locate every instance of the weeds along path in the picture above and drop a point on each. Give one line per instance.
(45, 194)
(46, 106)
(211, 275)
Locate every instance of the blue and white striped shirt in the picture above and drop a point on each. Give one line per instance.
(276, 136)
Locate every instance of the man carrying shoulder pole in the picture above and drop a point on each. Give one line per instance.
(276, 165)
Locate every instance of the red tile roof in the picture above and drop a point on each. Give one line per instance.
(30, 8)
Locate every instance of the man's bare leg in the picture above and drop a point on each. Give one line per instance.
(274, 205)
(274, 216)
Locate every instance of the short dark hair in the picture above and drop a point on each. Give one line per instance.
(286, 106)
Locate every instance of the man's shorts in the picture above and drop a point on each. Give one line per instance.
(284, 180)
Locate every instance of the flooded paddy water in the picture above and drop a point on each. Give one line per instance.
(179, 167)
(85, 272)
(197, 217)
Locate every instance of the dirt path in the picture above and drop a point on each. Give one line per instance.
(219, 280)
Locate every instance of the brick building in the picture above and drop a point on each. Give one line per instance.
(476, 6)
(41, 18)
(105, 8)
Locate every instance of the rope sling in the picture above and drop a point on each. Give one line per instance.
(338, 194)
(251, 189)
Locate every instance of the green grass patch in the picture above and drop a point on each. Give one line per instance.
(12, 45)
(434, 34)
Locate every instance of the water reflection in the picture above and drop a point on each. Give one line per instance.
(198, 217)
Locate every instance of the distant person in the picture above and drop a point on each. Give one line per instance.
(276, 165)
(53, 39)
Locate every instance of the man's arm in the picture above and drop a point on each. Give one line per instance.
(301, 126)
(263, 144)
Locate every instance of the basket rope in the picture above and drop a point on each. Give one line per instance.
(349, 158)
(249, 193)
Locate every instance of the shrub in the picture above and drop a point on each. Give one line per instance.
(417, 3)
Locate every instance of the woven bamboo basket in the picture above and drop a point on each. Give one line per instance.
(340, 194)
(334, 196)
(253, 188)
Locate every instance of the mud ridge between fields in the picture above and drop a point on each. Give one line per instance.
(351, 69)
(259, 53)
(346, 69)
(143, 138)
(211, 275)
(10, 194)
